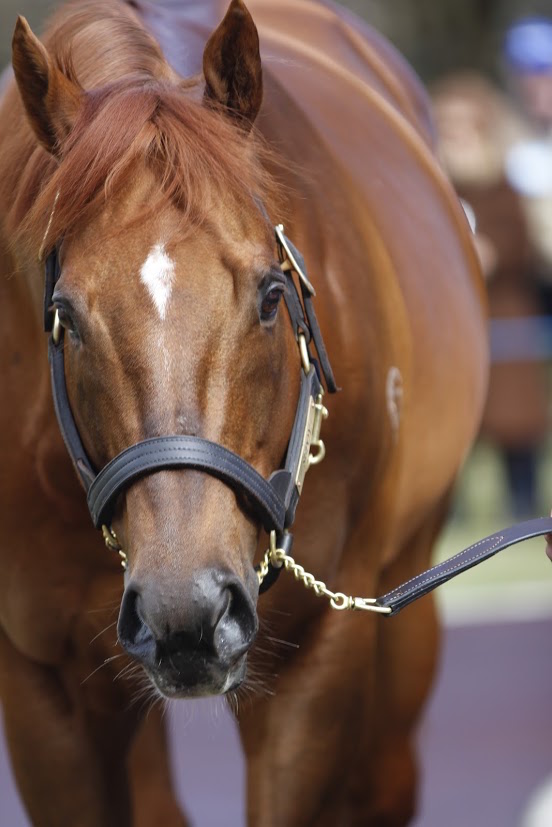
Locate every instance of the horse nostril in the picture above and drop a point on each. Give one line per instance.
(237, 624)
(213, 619)
(134, 633)
(129, 620)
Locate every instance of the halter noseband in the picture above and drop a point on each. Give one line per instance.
(273, 502)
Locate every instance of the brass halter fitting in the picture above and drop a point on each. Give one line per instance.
(112, 543)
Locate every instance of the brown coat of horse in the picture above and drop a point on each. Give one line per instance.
(328, 732)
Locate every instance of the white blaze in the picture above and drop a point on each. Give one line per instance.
(157, 274)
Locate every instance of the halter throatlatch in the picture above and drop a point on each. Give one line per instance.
(273, 502)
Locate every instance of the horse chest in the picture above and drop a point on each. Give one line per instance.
(45, 584)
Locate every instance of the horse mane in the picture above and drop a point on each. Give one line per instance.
(135, 110)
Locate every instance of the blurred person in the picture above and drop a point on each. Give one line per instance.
(528, 52)
(528, 56)
(477, 127)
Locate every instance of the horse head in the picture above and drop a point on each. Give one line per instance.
(169, 296)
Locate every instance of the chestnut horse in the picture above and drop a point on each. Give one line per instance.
(127, 142)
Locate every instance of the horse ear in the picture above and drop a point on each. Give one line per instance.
(232, 65)
(50, 98)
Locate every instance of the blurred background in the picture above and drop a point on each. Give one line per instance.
(486, 741)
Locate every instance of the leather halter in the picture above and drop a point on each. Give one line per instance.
(273, 502)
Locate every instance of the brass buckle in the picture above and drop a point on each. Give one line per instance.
(311, 439)
(320, 413)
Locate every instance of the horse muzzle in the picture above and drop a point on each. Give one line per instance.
(192, 639)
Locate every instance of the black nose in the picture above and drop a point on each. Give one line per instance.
(212, 617)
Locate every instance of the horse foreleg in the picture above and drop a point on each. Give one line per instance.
(64, 776)
(301, 742)
(154, 803)
(383, 789)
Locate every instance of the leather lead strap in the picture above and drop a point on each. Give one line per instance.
(424, 583)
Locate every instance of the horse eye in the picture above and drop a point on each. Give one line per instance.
(270, 303)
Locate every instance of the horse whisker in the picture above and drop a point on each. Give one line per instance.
(109, 626)
(97, 669)
(281, 642)
(106, 606)
(127, 670)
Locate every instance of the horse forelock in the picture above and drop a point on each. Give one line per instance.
(135, 111)
(194, 152)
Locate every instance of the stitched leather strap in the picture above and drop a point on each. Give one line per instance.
(306, 322)
(182, 452)
(273, 501)
(313, 322)
(424, 583)
(66, 423)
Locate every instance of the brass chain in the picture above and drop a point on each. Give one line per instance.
(339, 601)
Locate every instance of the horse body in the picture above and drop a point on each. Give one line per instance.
(400, 302)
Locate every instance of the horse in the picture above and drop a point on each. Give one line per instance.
(153, 150)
